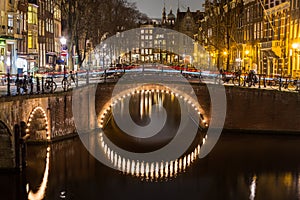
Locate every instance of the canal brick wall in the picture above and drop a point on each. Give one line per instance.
(248, 110)
(256, 110)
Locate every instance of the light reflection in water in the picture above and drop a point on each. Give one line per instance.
(40, 194)
(142, 105)
(154, 170)
(253, 188)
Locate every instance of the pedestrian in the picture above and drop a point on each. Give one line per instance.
(72, 76)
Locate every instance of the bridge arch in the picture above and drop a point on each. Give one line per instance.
(38, 125)
(101, 116)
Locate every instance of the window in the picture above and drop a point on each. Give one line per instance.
(30, 40)
(32, 15)
(10, 23)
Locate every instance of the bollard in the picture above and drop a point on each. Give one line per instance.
(8, 84)
(265, 85)
(43, 91)
(31, 84)
(18, 84)
(239, 79)
(259, 79)
(87, 77)
(280, 83)
(24, 84)
(105, 76)
(51, 84)
(76, 74)
(200, 77)
(38, 86)
(245, 78)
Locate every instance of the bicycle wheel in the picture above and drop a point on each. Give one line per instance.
(238, 81)
(50, 86)
(274, 84)
(292, 85)
(65, 84)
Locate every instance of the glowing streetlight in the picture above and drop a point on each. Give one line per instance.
(63, 53)
(247, 52)
(63, 41)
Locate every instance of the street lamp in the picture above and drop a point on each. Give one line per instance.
(247, 52)
(63, 42)
(296, 48)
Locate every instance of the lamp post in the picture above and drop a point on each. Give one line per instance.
(63, 42)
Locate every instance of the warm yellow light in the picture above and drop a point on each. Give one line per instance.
(225, 53)
(295, 45)
(247, 52)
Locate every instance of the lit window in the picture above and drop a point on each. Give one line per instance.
(30, 40)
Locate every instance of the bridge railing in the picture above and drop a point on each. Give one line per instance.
(48, 83)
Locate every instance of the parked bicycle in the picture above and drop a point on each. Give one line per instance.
(252, 78)
(66, 82)
(283, 83)
(22, 85)
(49, 85)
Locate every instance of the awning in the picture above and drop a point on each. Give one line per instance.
(270, 54)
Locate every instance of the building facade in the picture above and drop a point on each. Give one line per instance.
(29, 35)
(260, 34)
(8, 36)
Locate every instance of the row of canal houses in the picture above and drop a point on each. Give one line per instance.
(238, 34)
(30, 32)
(246, 34)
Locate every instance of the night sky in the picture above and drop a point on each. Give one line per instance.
(153, 8)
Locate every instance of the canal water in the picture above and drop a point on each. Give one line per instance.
(239, 167)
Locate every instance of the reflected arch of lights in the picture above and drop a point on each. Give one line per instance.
(143, 169)
(41, 192)
(31, 118)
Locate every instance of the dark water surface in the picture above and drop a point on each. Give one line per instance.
(239, 167)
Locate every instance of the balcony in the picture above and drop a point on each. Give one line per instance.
(6, 31)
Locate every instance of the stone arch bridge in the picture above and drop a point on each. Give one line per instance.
(47, 118)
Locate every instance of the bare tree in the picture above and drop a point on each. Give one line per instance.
(87, 21)
(218, 30)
